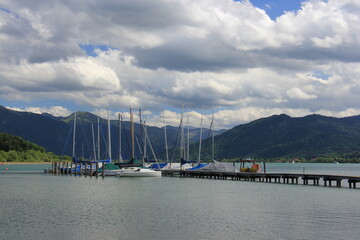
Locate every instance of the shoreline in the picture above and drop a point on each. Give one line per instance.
(21, 163)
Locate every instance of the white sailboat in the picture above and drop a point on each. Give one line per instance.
(137, 171)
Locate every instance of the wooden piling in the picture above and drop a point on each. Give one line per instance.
(86, 169)
(97, 169)
(103, 170)
(91, 173)
(71, 167)
(264, 167)
(67, 168)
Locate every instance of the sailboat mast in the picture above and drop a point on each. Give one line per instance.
(74, 135)
(145, 142)
(93, 139)
(182, 145)
(109, 136)
(166, 145)
(201, 130)
(212, 135)
(142, 140)
(98, 138)
(122, 124)
(120, 158)
(132, 135)
(188, 137)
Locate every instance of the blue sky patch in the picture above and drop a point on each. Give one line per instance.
(321, 75)
(8, 12)
(90, 49)
(276, 8)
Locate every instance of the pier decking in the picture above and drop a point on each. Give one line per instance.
(286, 178)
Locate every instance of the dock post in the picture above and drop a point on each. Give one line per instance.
(71, 167)
(86, 169)
(52, 168)
(264, 167)
(97, 170)
(67, 168)
(80, 169)
(338, 183)
(90, 170)
(103, 170)
(57, 168)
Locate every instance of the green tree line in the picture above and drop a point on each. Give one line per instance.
(16, 149)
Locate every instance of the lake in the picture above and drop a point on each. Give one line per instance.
(40, 206)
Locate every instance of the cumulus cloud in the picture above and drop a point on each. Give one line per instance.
(58, 111)
(227, 55)
(297, 93)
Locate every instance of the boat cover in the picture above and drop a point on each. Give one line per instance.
(216, 166)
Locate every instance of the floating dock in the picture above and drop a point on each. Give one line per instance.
(287, 178)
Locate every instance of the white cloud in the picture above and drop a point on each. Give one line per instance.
(297, 93)
(58, 111)
(163, 54)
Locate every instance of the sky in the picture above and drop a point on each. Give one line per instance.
(243, 60)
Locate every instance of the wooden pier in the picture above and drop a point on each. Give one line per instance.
(76, 169)
(286, 178)
(79, 169)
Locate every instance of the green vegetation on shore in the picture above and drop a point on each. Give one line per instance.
(16, 149)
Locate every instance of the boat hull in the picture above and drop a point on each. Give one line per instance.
(139, 172)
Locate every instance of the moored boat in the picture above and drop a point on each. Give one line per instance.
(137, 172)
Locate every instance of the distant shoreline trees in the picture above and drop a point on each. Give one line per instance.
(16, 149)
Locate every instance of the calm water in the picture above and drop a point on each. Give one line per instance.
(38, 206)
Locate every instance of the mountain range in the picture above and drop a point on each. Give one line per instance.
(282, 136)
(277, 136)
(55, 133)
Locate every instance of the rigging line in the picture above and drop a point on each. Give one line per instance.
(66, 142)
(138, 144)
(141, 131)
(151, 148)
(126, 138)
(176, 142)
(85, 139)
(104, 139)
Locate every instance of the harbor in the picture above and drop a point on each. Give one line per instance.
(79, 169)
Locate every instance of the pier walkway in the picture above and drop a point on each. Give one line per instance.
(287, 178)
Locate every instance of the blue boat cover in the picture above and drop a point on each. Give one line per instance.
(199, 166)
(158, 165)
(97, 161)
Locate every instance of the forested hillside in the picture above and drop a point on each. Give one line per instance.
(281, 136)
(16, 149)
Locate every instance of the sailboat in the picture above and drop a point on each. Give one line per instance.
(177, 165)
(130, 169)
(81, 163)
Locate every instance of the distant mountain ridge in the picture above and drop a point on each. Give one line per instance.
(283, 136)
(271, 137)
(54, 133)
